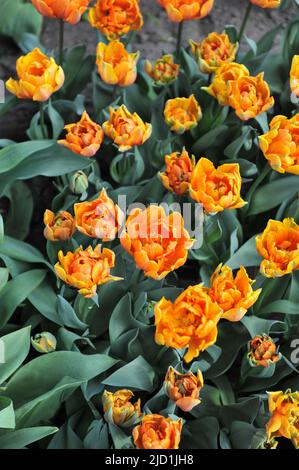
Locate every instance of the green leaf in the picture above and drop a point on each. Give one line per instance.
(19, 217)
(17, 290)
(23, 437)
(246, 256)
(136, 375)
(18, 18)
(16, 348)
(4, 274)
(7, 414)
(20, 251)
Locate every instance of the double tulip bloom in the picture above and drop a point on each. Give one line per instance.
(266, 3)
(38, 77)
(183, 389)
(86, 269)
(159, 243)
(116, 18)
(84, 137)
(126, 129)
(234, 295)
(60, 227)
(119, 409)
(157, 432)
(284, 421)
(164, 71)
(100, 218)
(115, 65)
(214, 51)
(67, 10)
(178, 172)
(262, 351)
(220, 86)
(182, 10)
(190, 322)
(216, 189)
(279, 247)
(182, 114)
(280, 145)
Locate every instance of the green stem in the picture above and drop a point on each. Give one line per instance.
(243, 26)
(114, 92)
(61, 41)
(42, 120)
(179, 37)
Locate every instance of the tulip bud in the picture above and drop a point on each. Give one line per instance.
(183, 389)
(78, 182)
(44, 342)
(118, 408)
(262, 351)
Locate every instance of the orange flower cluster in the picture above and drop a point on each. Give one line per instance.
(225, 74)
(39, 77)
(183, 389)
(294, 75)
(67, 10)
(182, 10)
(182, 114)
(284, 421)
(262, 351)
(214, 51)
(266, 3)
(84, 137)
(86, 269)
(280, 145)
(115, 65)
(234, 295)
(178, 172)
(157, 432)
(119, 409)
(116, 18)
(279, 247)
(126, 129)
(216, 189)
(159, 243)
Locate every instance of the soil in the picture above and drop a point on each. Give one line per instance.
(157, 35)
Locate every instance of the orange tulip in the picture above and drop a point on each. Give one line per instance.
(115, 18)
(39, 77)
(86, 269)
(60, 227)
(159, 243)
(182, 114)
(183, 389)
(294, 75)
(67, 10)
(279, 246)
(234, 295)
(157, 432)
(216, 189)
(280, 145)
(250, 96)
(220, 86)
(266, 3)
(214, 51)
(100, 218)
(191, 321)
(84, 137)
(182, 10)
(262, 351)
(115, 65)
(164, 71)
(119, 409)
(126, 129)
(284, 421)
(179, 168)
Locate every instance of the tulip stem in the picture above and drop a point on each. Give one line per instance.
(243, 26)
(42, 120)
(179, 38)
(114, 92)
(61, 41)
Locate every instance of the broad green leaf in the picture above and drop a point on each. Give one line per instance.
(16, 348)
(23, 437)
(138, 375)
(7, 414)
(246, 255)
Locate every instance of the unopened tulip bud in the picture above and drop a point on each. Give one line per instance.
(79, 183)
(44, 342)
